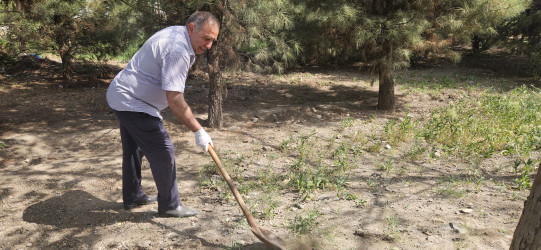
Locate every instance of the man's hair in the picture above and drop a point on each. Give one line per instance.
(199, 18)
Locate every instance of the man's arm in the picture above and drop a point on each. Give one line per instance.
(182, 110)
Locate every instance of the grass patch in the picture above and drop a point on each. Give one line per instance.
(507, 124)
(303, 224)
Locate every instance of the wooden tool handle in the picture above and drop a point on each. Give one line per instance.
(236, 193)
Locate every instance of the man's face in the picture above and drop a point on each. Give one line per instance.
(203, 38)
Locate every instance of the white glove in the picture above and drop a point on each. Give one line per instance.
(202, 139)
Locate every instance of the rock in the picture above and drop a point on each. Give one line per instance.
(432, 239)
(232, 128)
(147, 244)
(457, 228)
(298, 205)
(255, 119)
(466, 211)
(387, 146)
(318, 116)
(359, 232)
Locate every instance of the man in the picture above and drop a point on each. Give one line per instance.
(153, 80)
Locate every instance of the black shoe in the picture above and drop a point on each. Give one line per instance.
(180, 211)
(145, 200)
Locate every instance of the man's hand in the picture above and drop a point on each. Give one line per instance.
(202, 139)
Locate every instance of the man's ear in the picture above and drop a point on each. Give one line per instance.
(191, 28)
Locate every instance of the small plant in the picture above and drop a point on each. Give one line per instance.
(306, 224)
(360, 137)
(388, 166)
(451, 191)
(237, 245)
(352, 197)
(524, 182)
(374, 147)
(2, 145)
(415, 152)
(397, 132)
(284, 145)
(347, 122)
(306, 182)
(391, 228)
(268, 211)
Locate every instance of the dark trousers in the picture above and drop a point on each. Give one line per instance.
(145, 135)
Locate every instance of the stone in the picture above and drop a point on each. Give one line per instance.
(457, 228)
(466, 211)
(432, 239)
(298, 205)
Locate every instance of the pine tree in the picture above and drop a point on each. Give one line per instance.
(388, 34)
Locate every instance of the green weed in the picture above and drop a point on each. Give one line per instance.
(451, 191)
(284, 145)
(397, 132)
(352, 197)
(388, 166)
(493, 123)
(415, 152)
(391, 228)
(524, 182)
(347, 122)
(305, 224)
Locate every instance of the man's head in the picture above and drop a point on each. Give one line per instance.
(203, 28)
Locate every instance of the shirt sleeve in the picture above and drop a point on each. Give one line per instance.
(175, 66)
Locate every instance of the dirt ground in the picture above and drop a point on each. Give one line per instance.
(60, 174)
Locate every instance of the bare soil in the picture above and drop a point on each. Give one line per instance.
(60, 158)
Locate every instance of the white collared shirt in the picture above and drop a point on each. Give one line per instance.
(160, 65)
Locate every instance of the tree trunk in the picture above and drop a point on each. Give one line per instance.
(476, 44)
(215, 116)
(528, 232)
(386, 90)
(66, 56)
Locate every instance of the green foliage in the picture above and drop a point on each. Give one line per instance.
(388, 166)
(493, 123)
(415, 152)
(352, 197)
(522, 34)
(305, 224)
(524, 182)
(347, 122)
(397, 132)
(91, 30)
